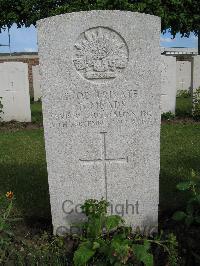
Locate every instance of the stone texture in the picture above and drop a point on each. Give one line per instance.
(196, 72)
(101, 104)
(168, 84)
(184, 75)
(36, 83)
(14, 89)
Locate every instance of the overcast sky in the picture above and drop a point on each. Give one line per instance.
(25, 40)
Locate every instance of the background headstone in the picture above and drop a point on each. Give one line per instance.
(184, 75)
(36, 83)
(196, 72)
(14, 89)
(101, 104)
(168, 84)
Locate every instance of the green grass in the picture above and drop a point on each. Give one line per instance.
(23, 165)
(36, 111)
(23, 170)
(180, 152)
(183, 106)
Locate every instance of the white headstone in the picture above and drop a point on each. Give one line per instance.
(36, 83)
(196, 72)
(14, 89)
(101, 93)
(168, 84)
(184, 75)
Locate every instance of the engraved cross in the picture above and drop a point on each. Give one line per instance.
(12, 90)
(104, 160)
(182, 82)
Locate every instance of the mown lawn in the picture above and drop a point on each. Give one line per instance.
(23, 170)
(183, 106)
(180, 153)
(23, 165)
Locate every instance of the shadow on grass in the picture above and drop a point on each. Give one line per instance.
(179, 170)
(30, 186)
(183, 107)
(36, 112)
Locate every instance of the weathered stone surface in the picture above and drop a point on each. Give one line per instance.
(36, 83)
(168, 84)
(196, 72)
(101, 84)
(14, 89)
(184, 75)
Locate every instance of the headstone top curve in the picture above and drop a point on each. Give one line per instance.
(97, 12)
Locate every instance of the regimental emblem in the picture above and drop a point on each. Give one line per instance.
(100, 53)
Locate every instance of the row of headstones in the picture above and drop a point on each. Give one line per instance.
(14, 87)
(101, 106)
(169, 78)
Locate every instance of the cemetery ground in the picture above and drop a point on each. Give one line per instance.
(23, 170)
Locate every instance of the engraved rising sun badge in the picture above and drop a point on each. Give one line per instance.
(100, 53)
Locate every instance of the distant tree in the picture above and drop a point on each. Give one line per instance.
(177, 15)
